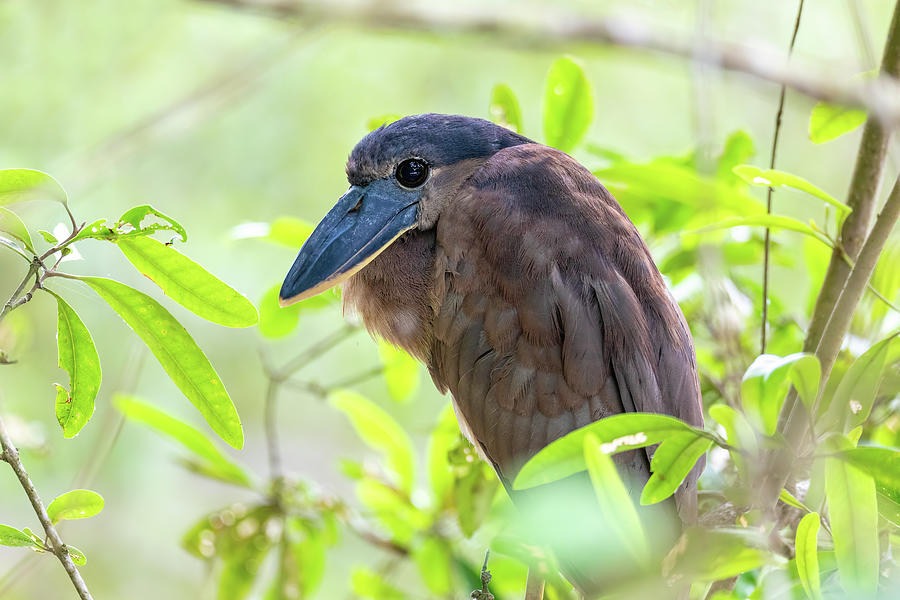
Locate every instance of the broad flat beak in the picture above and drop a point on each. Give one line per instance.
(364, 222)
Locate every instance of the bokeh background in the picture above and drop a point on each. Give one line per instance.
(221, 116)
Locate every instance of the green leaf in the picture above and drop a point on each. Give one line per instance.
(10, 536)
(135, 218)
(48, 237)
(881, 463)
(853, 512)
(379, 121)
(808, 556)
(504, 108)
(283, 231)
(672, 461)
(277, 321)
(738, 149)
(856, 392)
(187, 283)
(774, 178)
(372, 586)
(77, 555)
(178, 354)
(77, 504)
(568, 106)
(473, 493)
(805, 375)
(378, 429)
(11, 223)
(713, 554)
(614, 502)
(443, 438)
(19, 185)
(401, 371)
(888, 507)
(433, 558)
(77, 356)
(618, 433)
(764, 386)
(242, 565)
(739, 432)
(7, 243)
(789, 499)
(770, 221)
(189, 437)
(829, 121)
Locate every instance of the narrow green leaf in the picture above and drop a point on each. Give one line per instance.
(805, 375)
(829, 121)
(881, 463)
(672, 461)
(504, 108)
(135, 218)
(770, 221)
(764, 386)
(568, 106)
(277, 321)
(78, 356)
(77, 504)
(774, 178)
(378, 429)
(11, 223)
(789, 499)
(401, 371)
(187, 283)
(739, 432)
(178, 354)
(242, 566)
(7, 243)
(853, 512)
(855, 394)
(738, 149)
(433, 559)
(381, 120)
(617, 433)
(77, 555)
(712, 554)
(442, 439)
(888, 507)
(189, 437)
(807, 553)
(19, 185)
(614, 502)
(10, 536)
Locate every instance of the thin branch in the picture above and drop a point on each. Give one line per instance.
(552, 28)
(11, 456)
(767, 244)
(273, 448)
(313, 352)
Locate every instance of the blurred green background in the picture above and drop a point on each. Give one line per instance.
(219, 116)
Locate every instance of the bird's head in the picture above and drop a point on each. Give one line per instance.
(401, 176)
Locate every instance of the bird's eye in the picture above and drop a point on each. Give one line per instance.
(412, 172)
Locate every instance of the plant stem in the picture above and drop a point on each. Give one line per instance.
(778, 115)
(11, 456)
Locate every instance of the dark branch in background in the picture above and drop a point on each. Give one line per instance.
(548, 27)
(862, 197)
(778, 115)
(11, 456)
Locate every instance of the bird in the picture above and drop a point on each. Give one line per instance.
(514, 275)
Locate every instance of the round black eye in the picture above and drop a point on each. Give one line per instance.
(412, 172)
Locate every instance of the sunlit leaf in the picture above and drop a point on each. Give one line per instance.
(738, 149)
(806, 545)
(805, 375)
(789, 499)
(442, 439)
(134, 218)
(617, 433)
(853, 399)
(372, 586)
(504, 108)
(853, 513)
(433, 558)
(178, 354)
(473, 492)
(770, 221)
(277, 321)
(392, 509)
(187, 283)
(713, 554)
(881, 463)
(78, 356)
(77, 555)
(672, 461)
(77, 504)
(615, 506)
(189, 437)
(379, 121)
(829, 121)
(738, 430)
(401, 371)
(19, 185)
(242, 566)
(10, 536)
(764, 386)
(775, 178)
(378, 429)
(568, 105)
(10, 223)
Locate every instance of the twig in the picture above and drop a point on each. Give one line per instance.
(273, 449)
(767, 244)
(534, 585)
(553, 28)
(484, 593)
(314, 351)
(55, 543)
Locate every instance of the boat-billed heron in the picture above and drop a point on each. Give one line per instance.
(515, 276)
